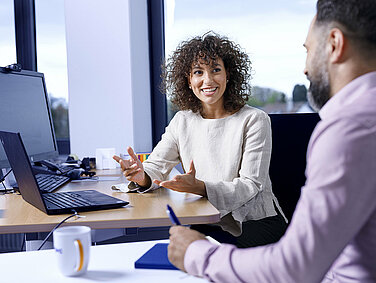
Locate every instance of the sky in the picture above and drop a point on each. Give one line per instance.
(51, 47)
(7, 36)
(272, 32)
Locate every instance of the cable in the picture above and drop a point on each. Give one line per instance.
(2, 182)
(6, 190)
(23, 242)
(2, 179)
(57, 226)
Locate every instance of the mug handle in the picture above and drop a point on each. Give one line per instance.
(80, 254)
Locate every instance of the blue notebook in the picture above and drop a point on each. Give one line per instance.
(155, 258)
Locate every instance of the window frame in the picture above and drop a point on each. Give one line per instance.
(24, 20)
(156, 55)
(25, 29)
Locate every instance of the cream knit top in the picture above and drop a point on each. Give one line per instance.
(231, 155)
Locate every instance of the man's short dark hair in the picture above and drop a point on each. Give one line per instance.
(356, 17)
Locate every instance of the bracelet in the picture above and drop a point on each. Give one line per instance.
(136, 187)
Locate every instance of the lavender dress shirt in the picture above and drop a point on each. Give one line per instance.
(332, 236)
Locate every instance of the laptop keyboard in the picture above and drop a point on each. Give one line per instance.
(48, 183)
(67, 199)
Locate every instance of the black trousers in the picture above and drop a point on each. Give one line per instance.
(255, 232)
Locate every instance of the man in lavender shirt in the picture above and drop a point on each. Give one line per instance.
(332, 236)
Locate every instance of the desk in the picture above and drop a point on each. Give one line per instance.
(144, 210)
(108, 263)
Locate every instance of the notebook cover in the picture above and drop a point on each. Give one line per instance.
(155, 258)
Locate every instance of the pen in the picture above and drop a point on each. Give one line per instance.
(175, 221)
(172, 216)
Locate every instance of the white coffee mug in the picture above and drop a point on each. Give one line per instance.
(72, 246)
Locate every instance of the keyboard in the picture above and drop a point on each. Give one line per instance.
(48, 183)
(65, 169)
(67, 199)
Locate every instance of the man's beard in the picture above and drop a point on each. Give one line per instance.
(319, 89)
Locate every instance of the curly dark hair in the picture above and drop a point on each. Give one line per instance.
(207, 49)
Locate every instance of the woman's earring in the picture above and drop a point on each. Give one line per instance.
(190, 87)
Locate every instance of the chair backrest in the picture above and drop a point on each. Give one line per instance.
(290, 136)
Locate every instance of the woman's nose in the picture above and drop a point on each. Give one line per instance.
(208, 77)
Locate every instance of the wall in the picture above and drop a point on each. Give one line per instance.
(108, 75)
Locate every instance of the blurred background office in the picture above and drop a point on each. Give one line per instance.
(101, 59)
(108, 44)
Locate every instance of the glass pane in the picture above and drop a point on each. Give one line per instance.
(271, 32)
(8, 53)
(52, 59)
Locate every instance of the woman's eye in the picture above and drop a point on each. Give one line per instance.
(216, 70)
(197, 72)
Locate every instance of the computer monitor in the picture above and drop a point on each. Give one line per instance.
(24, 108)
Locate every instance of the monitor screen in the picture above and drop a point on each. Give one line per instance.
(24, 108)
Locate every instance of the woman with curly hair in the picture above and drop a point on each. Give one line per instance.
(223, 144)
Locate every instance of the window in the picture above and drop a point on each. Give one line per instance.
(7, 39)
(271, 32)
(52, 59)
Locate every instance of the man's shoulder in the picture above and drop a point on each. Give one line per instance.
(343, 133)
(357, 115)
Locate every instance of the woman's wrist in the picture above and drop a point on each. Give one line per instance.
(201, 188)
(146, 183)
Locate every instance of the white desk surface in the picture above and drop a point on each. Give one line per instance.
(108, 263)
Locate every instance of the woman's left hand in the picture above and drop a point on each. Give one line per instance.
(185, 183)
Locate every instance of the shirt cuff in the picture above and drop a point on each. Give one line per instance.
(153, 186)
(196, 257)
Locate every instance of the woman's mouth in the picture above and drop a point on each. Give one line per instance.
(209, 91)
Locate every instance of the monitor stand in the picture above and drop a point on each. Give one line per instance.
(8, 183)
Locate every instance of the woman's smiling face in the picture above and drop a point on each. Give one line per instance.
(208, 82)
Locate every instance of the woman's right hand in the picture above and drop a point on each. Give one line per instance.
(133, 169)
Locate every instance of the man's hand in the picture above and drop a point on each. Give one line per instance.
(180, 238)
(133, 169)
(185, 183)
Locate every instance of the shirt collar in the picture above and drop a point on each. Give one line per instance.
(348, 94)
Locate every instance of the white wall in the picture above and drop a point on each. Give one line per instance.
(108, 75)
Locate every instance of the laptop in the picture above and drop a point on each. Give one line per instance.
(50, 203)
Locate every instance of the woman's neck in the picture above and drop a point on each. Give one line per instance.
(214, 112)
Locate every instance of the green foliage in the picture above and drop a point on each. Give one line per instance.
(252, 101)
(273, 98)
(59, 112)
(299, 93)
(263, 96)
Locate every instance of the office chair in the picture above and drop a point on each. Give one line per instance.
(290, 137)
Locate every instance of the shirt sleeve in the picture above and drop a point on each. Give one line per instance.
(239, 195)
(336, 203)
(165, 155)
